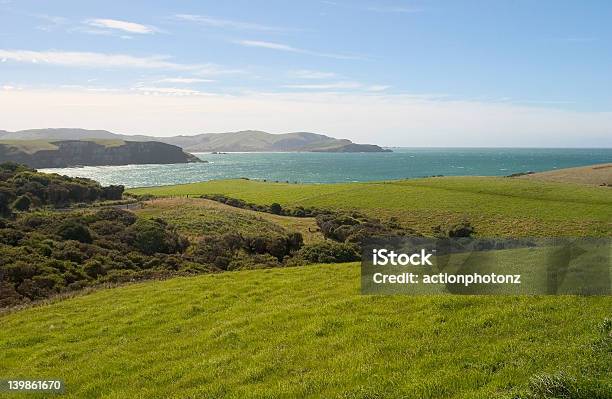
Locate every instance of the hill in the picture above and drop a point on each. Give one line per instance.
(306, 332)
(64, 153)
(600, 175)
(243, 141)
(496, 206)
(254, 141)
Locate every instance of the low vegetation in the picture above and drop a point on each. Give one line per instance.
(22, 189)
(307, 332)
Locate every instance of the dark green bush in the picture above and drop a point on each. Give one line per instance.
(152, 236)
(329, 252)
(276, 208)
(22, 203)
(74, 230)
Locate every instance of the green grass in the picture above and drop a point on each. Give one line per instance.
(302, 332)
(496, 206)
(307, 332)
(33, 146)
(196, 217)
(29, 146)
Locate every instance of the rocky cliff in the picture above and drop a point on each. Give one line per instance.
(59, 154)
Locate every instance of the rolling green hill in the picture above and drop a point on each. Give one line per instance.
(195, 216)
(495, 206)
(306, 332)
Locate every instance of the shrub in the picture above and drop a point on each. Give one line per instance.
(116, 215)
(463, 229)
(329, 252)
(94, 268)
(276, 208)
(22, 203)
(152, 236)
(74, 230)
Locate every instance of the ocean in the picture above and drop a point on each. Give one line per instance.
(307, 167)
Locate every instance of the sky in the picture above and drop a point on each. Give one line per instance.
(517, 73)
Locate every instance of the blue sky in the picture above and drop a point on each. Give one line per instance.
(459, 70)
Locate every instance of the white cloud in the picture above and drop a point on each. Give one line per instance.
(309, 74)
(184, 80)
(291, 49)
(326, 86)
(225, 23)
(104, 60)
(125, 26)
(392, 120)
(173, 91)
(378, 87)
(346, 85)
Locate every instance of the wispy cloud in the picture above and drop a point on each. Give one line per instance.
(348, 85)
(124, 26)
(309, 74)
(171, 91)
(184, 80)
(225, 23)
(105, 60)
(291, 49)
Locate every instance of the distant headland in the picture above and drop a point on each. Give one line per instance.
(242, 141)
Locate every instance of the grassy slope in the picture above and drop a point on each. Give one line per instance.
(307, 331)
(300, 332)
(195, 217)
(496, 206)
(593, 175)
(33, 146)
(29, 146)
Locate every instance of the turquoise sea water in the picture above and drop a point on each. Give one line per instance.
(333, 168)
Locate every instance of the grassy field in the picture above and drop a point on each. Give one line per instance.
(495, 206)
(33, 146)
(306, 332)
(29, 146)
(593, 175)
(195, 217)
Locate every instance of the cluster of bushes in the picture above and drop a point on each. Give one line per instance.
(46, 253)
(356, 228)
(273, 208)
(22, 188)
(42, 254)
(458, 230)
(327, 252)
(236, 251)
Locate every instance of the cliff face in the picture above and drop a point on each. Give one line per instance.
(74, 152)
